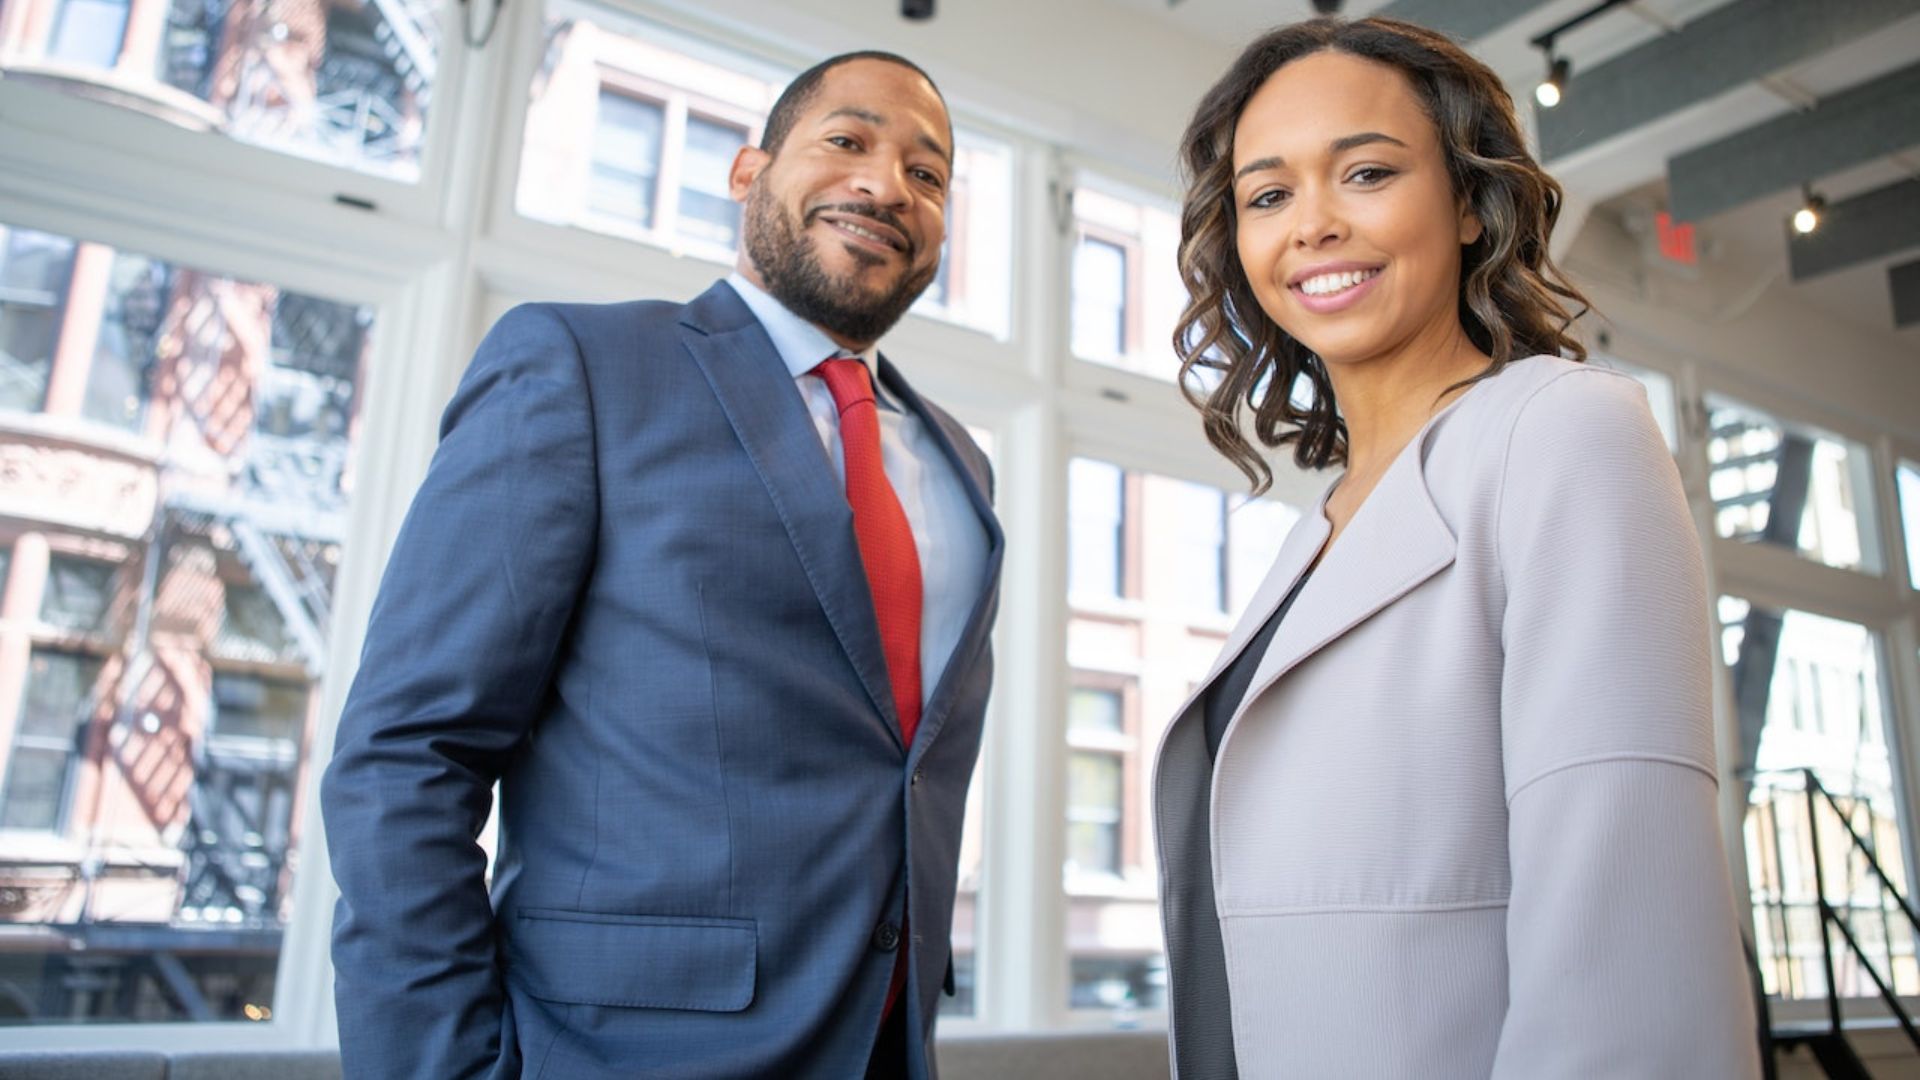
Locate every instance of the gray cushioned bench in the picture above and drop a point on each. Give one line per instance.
(1124, 1055)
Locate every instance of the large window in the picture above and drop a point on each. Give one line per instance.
(155, 737)
(1790, 486)
(346, 84)
(1810, 696)
(1157, 569)
(1126, 288)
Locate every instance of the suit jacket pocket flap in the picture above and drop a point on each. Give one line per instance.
(636, 961)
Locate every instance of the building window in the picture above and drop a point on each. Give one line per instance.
(78, 596)
(1809, 695)
(1127, 294)
(1099, 300)
(708, 214)
(343, 84)
(1096, 534)
(35, 271)
(1094, 813)
(61, 696)
(88, 32)
(1790, 486)
(626, 158)
(180, 819)
(1198, 516)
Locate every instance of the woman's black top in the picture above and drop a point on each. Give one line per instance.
(1224, 699)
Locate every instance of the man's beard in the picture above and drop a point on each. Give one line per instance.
(790, 268)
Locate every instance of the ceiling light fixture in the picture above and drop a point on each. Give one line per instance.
(1553, 88)
(1813, 208)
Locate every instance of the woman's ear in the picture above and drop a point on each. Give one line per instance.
(1470, 227)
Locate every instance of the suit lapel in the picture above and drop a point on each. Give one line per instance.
(772, 423)
(980, 618)
(1395, 541)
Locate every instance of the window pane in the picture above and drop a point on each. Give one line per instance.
(1908, 480)
(344, 84)
(1792, 487)
(1198, 528)
(123, 357)
(974, 285)
(1133, 665)
(88, 32)
(78, 595)
(1093, 813)
(1127, 294)
(708, 213)
(62, 693)
(1809, 694)
(1099, 300)
(252, 708)
(1255, 530)
(35, 269)
(1095, 556)
(181, 821)
(1095, 710)
(626, 158)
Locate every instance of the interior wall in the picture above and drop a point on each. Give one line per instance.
(1745, 322)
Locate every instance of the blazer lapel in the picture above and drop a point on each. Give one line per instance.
(979, 619)
(1396, 540)
(772, 423)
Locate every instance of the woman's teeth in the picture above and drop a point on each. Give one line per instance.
(1326, 284)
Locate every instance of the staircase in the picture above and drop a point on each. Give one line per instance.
(1864, 928)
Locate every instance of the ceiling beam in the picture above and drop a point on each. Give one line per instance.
(1462, 20)
(1869, 226)
(1846, 129)
(1721, 50)
(1905, 282)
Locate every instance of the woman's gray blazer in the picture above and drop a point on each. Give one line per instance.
(1464, 822)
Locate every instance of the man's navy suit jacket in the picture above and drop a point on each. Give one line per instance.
(629, 592)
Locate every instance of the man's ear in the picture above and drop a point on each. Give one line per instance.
(747, 166)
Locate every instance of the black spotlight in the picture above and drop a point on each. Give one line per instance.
(1326, 7)
(917, 10)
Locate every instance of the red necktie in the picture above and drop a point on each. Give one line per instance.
(887, 551)
(886, 539)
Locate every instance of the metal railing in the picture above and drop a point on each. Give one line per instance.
(1831, 916)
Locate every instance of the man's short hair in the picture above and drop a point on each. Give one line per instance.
(806, 86)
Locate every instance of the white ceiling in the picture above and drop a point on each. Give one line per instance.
(1627, 175)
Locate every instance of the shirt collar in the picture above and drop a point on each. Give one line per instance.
(801, 344)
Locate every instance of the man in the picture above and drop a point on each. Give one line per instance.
(711, 603)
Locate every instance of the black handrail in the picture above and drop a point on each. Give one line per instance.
(1830, 917)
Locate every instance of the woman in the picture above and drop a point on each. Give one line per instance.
(1447, 805)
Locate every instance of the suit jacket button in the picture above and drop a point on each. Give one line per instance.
(886, 937)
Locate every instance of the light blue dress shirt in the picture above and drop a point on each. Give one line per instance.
(949, 536)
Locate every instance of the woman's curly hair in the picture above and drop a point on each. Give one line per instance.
(1510, 291)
